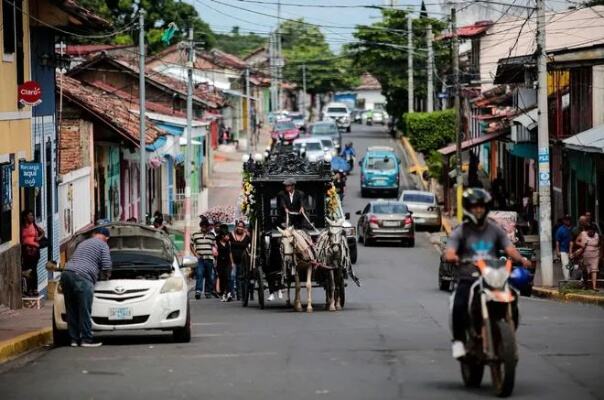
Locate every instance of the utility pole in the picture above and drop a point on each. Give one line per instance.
(430, 73)
(248, 105)
(545, 201)
(457, 107)
(189, 150)
(304, 91)
(279, 56)
(410, 63)
(141, 87)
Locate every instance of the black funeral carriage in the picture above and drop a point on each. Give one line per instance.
(265, 177)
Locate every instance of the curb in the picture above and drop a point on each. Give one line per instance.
(567, 297)
(11, 348)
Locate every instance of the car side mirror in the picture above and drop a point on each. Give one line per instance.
(358, 212)
(347, 215)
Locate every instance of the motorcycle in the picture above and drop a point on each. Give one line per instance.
(350, 160)
(491, 331)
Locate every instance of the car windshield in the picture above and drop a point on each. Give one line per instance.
(339, 110)
(284, 125)
(313, 146)
(327, 143)
(381, 163)
(427, 198)
(390, 208)
(325, 129)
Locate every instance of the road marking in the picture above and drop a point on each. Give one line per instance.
(209, 323)
(232, 355)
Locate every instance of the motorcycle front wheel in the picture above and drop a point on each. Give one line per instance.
(503, 370)
(471, 372)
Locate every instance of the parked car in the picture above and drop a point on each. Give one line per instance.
(380, 171)
(298, 120)
(426, 211)
(326, 129)
(147, 288)
(378, 117)
(339, 113)
(286, 130)
(386, 220)
(311, 148)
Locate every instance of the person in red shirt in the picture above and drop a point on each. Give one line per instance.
(30, 250)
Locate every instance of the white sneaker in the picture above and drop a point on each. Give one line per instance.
(459, 349)
(223, 298)
(280, 294)
(271, 297)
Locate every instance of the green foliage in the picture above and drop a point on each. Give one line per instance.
(435, 163)
(159, 13)
(238, 44)
(382, 51)
(304, 44)
(430, 131)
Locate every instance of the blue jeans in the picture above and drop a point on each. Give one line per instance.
(78, 293)
(205, 272)
(236, 280)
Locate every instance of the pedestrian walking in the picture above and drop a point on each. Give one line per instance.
(224, 266)
(203, 246)
(240, 241)
(89, 260)
(589, 242)
(563, 241)
(31, 235)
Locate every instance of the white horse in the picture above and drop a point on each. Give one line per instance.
(297, 244)
(333, 252)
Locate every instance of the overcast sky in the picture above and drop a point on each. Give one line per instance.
(337, 24)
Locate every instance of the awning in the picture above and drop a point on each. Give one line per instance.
(183, 142)
(237, 93)
(523, 150)
(468, 144)
(590, 141)
(528, 119)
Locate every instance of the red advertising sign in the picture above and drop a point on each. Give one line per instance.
(30, 93)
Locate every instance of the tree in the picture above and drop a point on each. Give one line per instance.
(382, 51)
(238, 44)
(304, 44)
(159, 13)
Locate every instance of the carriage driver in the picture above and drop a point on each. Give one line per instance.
(291, 201)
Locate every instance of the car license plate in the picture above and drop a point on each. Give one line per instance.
(391, 223)
(120, 313)
(379, 182)
(419, 220)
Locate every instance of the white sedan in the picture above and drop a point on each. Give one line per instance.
(311, 148)
(147, 288)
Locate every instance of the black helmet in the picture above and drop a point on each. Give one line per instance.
(475, 197)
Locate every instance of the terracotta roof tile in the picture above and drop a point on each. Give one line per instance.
(369, 82)
(90, 19)
(111, 109)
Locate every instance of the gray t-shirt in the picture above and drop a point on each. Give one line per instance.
(472, 243)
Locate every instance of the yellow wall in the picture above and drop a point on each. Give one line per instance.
(15, 125)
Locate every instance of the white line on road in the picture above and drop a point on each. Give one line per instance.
(209, 323)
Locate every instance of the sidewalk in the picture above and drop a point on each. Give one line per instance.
(24, 330)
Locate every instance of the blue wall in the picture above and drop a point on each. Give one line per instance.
(42, 42)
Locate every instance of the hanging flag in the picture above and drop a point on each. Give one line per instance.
(168, 34)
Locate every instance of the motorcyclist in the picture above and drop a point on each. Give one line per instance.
(348, 150)
(476, 238)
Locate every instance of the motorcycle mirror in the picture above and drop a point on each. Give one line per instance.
(358, 212)
(347, 215)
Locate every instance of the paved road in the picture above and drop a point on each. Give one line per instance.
(390, 342)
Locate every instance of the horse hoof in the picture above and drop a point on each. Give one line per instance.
(338, 308)
(308, 309)
(298, 307)
(332, 308)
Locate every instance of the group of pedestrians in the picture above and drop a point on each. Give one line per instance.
(579, 249)
(220, 255)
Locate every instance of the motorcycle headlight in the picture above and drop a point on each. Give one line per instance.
(350, 231)
(174, 284)
(495, 277)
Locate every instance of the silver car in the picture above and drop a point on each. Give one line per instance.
(424, 206)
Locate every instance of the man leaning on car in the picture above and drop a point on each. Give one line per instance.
(81, 273)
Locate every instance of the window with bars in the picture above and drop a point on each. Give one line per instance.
(6, 202)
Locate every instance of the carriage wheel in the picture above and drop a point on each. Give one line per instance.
(260, 282)
(342, 289)
(244, 286)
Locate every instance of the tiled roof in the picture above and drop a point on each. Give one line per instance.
(227, 60)
(90, 19)
(368, 82)
(470, 31)
(110, 109)
(86, 49)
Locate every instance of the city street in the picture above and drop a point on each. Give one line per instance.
(391, 341)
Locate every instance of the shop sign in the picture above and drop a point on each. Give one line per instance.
(30, 174)
(30, 93)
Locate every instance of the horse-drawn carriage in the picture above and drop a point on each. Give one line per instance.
(279, 251)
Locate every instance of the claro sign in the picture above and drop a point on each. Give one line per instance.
(30, 93)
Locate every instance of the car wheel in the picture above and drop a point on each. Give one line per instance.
(364, 193)
(366, 240)
(59, 338)
(183, 334)
(353, 254)
(411, 242)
